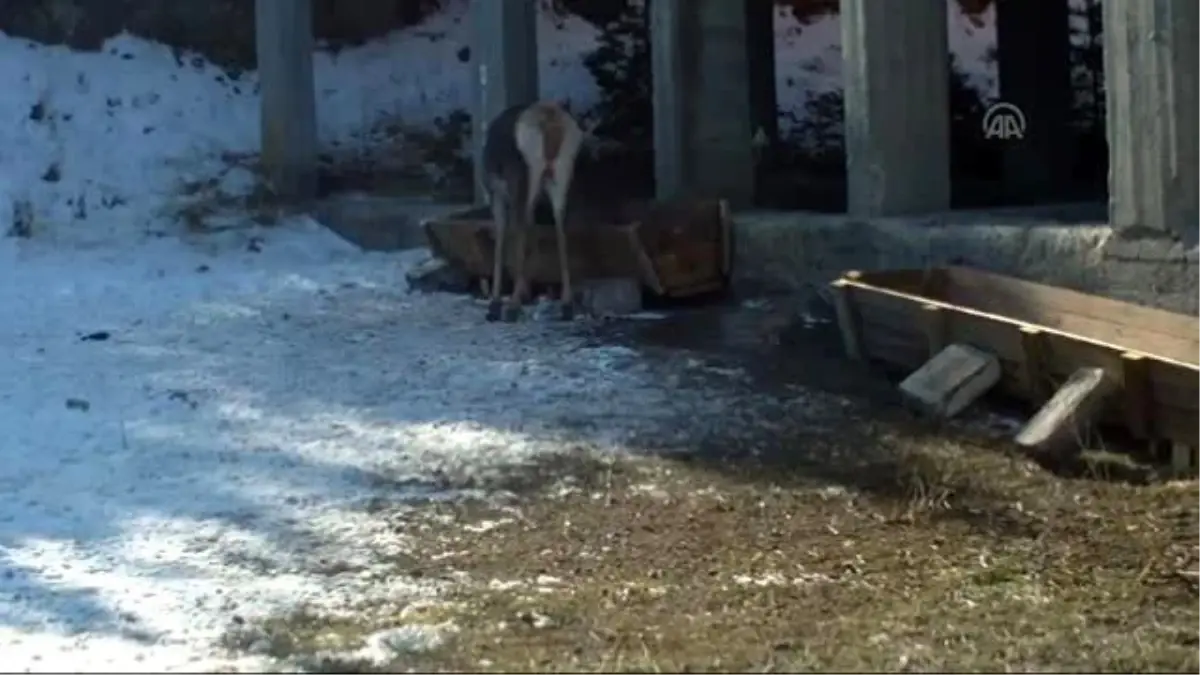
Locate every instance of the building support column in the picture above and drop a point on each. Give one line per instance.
(1033, 39)
(504, 57)
(897, 88)
(1150, 50)
(764, 99)
(284, 45)
(702, 101)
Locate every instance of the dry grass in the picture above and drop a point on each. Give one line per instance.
(948, 557)
(862, 540)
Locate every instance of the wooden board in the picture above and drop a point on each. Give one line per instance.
(674, 249)
(1040, 334)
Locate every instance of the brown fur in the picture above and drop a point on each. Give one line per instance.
(549, 119)
(516, 178)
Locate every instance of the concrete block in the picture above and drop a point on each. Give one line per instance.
(611, 297)
(437, 276)
(952, 380)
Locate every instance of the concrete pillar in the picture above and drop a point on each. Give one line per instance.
(1033, 39)
(284, 46)
(896, 83)
(764, 99)
(504, 57)
(701, 98)
(1150, 55)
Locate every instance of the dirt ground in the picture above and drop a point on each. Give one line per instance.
(875, 542)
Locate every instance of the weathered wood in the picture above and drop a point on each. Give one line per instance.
(936, 330)
(649, 275)
(1135, 384)
(726, 238)
(847, 316)
(952, 380)
(892, 317)
(1033, 364)
(284, 44)
(1144, 329)
(675, 249)
(1059, 423)
(1183, 459)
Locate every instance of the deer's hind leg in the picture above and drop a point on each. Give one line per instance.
(557, 191)
(521, 219)
(500, 202)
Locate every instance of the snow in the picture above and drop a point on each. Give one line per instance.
(229, 433)
(195, 427)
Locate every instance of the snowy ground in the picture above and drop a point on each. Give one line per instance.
(193, 426)
(193, 435)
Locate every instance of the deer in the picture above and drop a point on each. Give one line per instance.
(529, 151)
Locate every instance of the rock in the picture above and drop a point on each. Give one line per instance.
(611, 297)
(437, 276)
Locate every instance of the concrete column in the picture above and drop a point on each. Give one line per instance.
(1033, 39)
(701, 97)
(284, 46)
(896, 85)
(764, 100)
(504, 57)
(1150, 55)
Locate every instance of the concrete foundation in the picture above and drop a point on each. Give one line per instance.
(896, 84)
(1150, 68)
(799, 253)
(1069, 246)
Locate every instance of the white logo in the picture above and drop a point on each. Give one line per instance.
(1004, 121)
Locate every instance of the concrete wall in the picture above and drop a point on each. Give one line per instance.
(1066, 245)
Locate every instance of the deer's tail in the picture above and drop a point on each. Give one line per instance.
(545, 134)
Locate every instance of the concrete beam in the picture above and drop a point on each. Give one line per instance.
(702, 103)
(897, 89)
(1033, 39)
(284, 43)
(505, 63)
(1150, 69)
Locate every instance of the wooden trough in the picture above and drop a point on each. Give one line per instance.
(675, 249)
(1080, 358)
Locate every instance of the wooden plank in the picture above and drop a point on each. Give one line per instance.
(645, 267)
(1057, 355)
(284, 44)
(866, 291)
(912, 281)
(727, 243)
(1034, 366)
(1135, 387)
(1171, 385)
(1133, 327)
(847, 316)
(1058, 424)
(903, 350)
(1183, 461)
(951, 380)
(936, 328)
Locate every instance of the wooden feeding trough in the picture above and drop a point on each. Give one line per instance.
(1081, 358)
(675, 249)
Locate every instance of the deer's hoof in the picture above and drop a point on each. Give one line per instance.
(566, 311)
(495, 310)
(511, 313)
